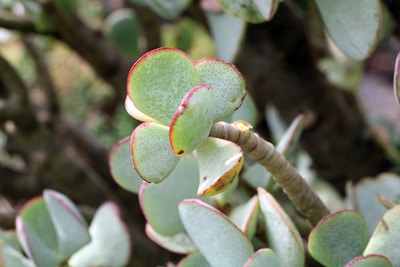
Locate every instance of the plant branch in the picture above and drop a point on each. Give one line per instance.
(305, 200)
(22, 25)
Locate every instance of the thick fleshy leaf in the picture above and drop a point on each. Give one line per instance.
(282, 235)
(10, 257)
(194, 260)
(179, 243)
(217, 238)
(159, 202)
(169, 9)
(245, 216)
(220, 162)
(396, 79)
(135, 113)
(256, 176)
(159, 80)
(372, 260)
(253, 11)
(353, 25)
(363, 197)
(263, 257)
(122, 28)
(121, 167)
(37, 235)
(71, 229)
(226, 81)
(192, 120)
(152, 155)
(338, 238)
(110, 245)
(227, 32)
(291, 136)
(385, 239)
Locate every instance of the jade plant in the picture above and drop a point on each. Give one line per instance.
(51, 231)
(186, 165)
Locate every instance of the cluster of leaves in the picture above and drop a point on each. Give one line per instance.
(51, 232)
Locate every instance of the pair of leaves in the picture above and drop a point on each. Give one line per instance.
(340, 239)
(51, 230)
(225, 241)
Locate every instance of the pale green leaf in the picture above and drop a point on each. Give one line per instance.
(220, 162)
(253, 11)
(192, 120)
(227, 32)
(179, 243)
(226, 81)
(159, 80)
(245, 216)
(338, 238)
(353, 25)
(110, 245)
(152, 155)
(121, 166)
(217, 238)
(169, 9)
(71, 228)
(10, 257)
(159, 202)
(282, 235)
(385, 239)
(373, 260)
(194, 260)
(261, 258)
(363, 197)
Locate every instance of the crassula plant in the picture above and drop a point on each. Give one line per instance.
(184, 164)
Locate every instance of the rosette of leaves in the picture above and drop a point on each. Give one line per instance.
(178, 101)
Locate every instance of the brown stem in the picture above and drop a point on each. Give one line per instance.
(305, 200)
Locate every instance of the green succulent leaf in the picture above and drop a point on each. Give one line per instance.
(151, 151)
(9, 257)
(110, 245)
(168, 9)
(133, 111)
(338, 238)
(121, 167)
(396, 79)
(220, 162)
(353, 25)
(263, 257)
(282, 235)
(50, 229)
(179, 243)
(291, 136)
(245, 216)
(159, 202)
(253, 11)
(363, 197)
(194, 260)
(69, 225)
(159, 80)
(226, 81)
(192, 120)
(385, 239)
(373, 260)
(227, 32)
(217, 238)
(122, 28)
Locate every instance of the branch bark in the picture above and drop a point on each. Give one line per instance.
(305, 200)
